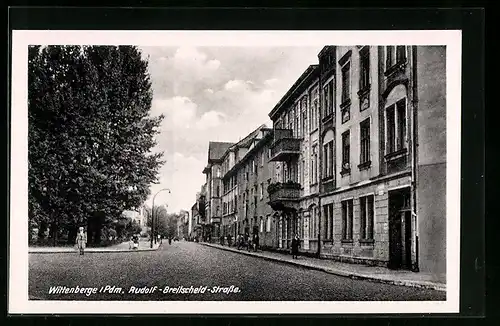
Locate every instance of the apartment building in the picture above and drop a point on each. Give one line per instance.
(295, 148)
(247, 174)
(213, 200)
(369, 209)
(356, 161)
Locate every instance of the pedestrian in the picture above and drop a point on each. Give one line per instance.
(169, 240)
(239, 241)
(81, 240)
(256, 241)
(229, 240)
(295, 246)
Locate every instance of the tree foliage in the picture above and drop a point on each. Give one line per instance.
(90, 136)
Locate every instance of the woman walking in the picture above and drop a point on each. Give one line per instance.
(295, 246)
(81, 240)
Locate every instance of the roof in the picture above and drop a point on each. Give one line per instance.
(291, 94)
(245, 142)
(216, 150)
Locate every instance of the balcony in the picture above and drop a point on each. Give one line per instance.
(284, 195)
(285, 146)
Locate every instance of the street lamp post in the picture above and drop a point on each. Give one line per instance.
(153, 213)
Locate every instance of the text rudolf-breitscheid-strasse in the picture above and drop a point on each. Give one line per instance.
(111, 289)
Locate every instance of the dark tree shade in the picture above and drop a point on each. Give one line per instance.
(90, 135)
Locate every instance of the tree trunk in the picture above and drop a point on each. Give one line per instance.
(42, 229)
(72, 234)
(54, 229)
(89, 231)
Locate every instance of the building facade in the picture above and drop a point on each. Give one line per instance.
(296, 151)
(356, 161)
(198, 220)
(247, 175)
(213, 200)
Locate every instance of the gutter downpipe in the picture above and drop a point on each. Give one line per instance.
(414, 159)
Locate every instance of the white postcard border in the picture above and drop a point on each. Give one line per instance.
(18, 222)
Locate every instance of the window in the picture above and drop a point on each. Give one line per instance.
(299, 172)
(262, 159)
(366, 217)
(218, 172)
(400, 54)
(328, 99)
(304, 115)
(261, 224)
(389, 56)
(346, 151)
(364, 63)
(396, 132)
(401, 108)
(314, 165)
(268, 224)
(328, 222)
(316, 111)
(302, 174)
(394, 55)
(297, 120)
(365, 141)
(346, 82)
(312, 223)
(218, 192)
(261, 191)
(313, 123)
(347, 220)
(328, 159)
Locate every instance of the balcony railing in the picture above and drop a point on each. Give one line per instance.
(283, 194)
(285, 145)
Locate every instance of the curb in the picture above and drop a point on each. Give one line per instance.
(90, 251)
(354, 276)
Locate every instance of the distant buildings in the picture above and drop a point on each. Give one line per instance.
(138, 217)
(355, 163)
(183, 225)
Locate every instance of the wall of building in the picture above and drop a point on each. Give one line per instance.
(431, 171)
(358, 113)
(359, 251)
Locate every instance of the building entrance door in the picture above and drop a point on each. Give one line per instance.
(400, 229)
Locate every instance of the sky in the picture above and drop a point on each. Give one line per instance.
(212, 94)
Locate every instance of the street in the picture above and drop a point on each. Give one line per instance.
(189, 264)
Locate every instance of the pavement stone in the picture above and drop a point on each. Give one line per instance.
(353, 271)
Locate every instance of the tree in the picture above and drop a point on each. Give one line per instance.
(90, 136)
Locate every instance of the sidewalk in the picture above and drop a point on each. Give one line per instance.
(354, 271)
(122, 247)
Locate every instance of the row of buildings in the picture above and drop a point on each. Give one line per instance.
(354, 164)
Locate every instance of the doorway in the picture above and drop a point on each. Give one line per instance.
(400, 232)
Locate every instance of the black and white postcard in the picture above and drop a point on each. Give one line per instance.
(222, 172)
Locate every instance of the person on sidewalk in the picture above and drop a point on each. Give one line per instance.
(256, 241)
(239, 241)
(295, 246)
(81, 240)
